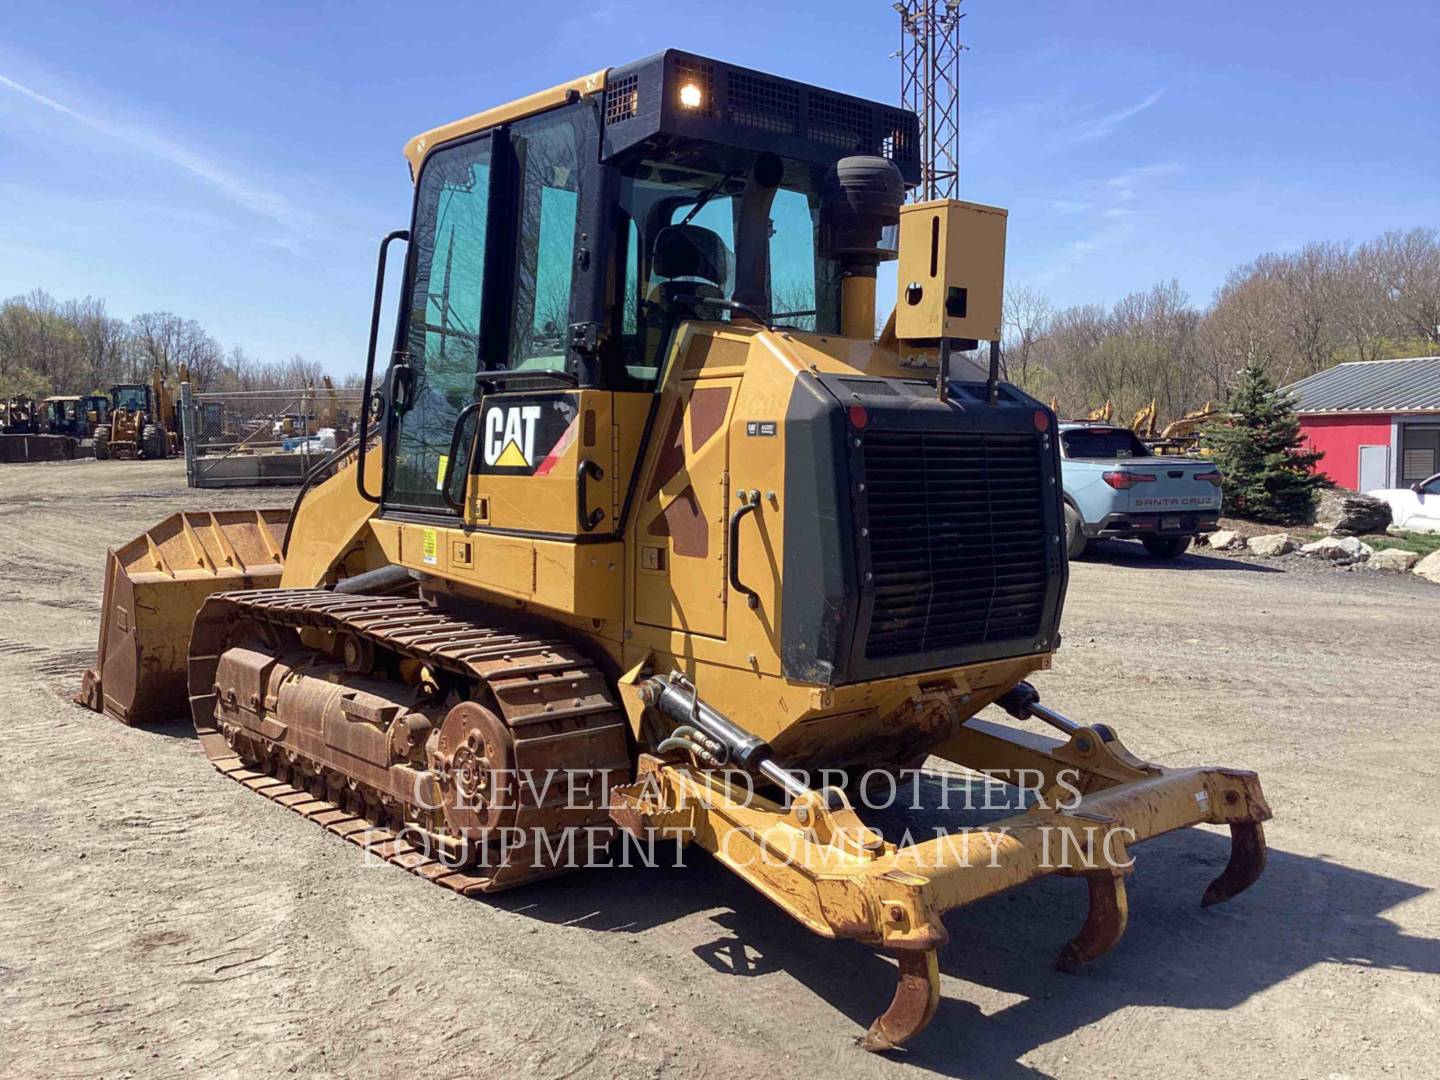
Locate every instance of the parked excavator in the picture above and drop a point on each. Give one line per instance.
(1144, 422)
(1182, 436)
(640, 501)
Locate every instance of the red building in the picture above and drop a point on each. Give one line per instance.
(1376, 421)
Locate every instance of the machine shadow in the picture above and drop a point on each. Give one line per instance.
(178, 728)
(1304, 911)
(1128, 552)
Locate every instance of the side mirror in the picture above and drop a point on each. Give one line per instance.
(1418, 487)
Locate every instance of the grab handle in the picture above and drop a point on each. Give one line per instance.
(588, 470)
(749, 503)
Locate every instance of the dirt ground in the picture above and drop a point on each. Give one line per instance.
(158, 920)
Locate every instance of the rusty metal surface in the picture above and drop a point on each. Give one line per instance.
(1105, 921)
(15, 449)
(917, 996)
(1247, 863)
(536, 706)
(154, 585)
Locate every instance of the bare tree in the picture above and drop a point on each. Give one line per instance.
(1027, 317)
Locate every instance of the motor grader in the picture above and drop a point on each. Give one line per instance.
(640, 500)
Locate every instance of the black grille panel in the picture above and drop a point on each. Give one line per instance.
(622, 99)
(763, 103)
(954, 529)
(701, 75)
(841, 122)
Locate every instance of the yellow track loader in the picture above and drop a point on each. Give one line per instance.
(644, 537)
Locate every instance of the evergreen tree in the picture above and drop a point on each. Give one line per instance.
(1268, 475)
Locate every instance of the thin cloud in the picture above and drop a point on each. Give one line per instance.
(1107, 201)
(1125, 185)
(1075, 253)
(267, 204)
(1106, 125)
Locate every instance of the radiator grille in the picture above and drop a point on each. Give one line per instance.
(955, 531)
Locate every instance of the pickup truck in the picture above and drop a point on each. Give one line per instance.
(1116, 489)
(1416, 508)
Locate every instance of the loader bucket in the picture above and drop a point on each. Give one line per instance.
(154, 585)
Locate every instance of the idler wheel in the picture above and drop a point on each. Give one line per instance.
(476, 770)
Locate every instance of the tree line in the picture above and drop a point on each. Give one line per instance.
(1290, 314)
(48, 346)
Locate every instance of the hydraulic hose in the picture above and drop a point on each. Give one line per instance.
(677, 699)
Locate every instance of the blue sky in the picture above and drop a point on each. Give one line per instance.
(237, 163)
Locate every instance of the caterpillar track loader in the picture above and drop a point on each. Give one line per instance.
(641, 501)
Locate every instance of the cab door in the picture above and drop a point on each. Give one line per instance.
(435, 383)
(491, 428)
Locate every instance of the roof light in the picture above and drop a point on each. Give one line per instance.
(690, 96)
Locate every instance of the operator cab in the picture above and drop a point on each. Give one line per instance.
(557, 245)
(133, 397)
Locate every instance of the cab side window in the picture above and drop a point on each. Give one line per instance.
(546, 150)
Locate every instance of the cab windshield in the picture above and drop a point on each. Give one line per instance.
(681, 218)
(130, 397)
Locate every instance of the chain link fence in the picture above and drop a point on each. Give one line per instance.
(261, 438)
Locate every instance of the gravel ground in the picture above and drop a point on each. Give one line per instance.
(157, 920)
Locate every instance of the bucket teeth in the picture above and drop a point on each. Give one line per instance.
(917, 995)
(1247, 863)
(1104, 921)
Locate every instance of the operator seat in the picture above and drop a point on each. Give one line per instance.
(693, 260)
(694, 263)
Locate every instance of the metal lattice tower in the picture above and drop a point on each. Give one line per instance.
(930, 85)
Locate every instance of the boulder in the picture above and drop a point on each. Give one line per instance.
(1429, 567)
(1224, 539)
(1397, 559)
(1272, 544)
(1338, 549)
(1341, 512)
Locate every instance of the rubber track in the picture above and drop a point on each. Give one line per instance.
(534, 682)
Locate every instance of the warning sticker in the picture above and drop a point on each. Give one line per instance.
(429, 545)
(440, 471)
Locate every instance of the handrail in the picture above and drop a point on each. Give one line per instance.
(458, 504)
(363, 433)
